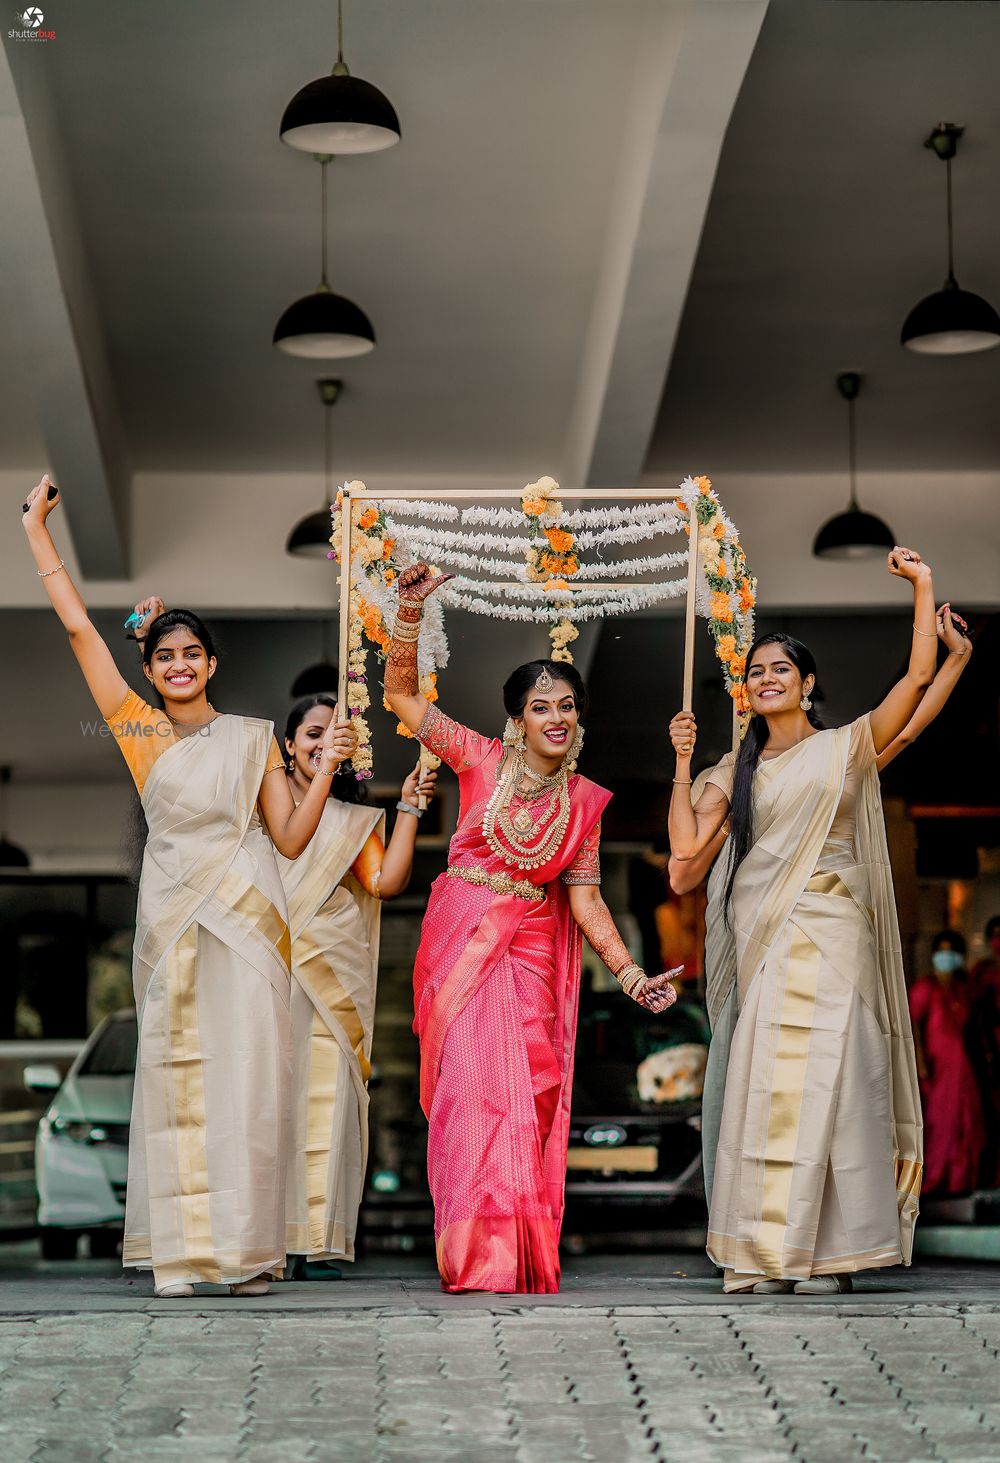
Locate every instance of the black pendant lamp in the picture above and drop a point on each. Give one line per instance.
(953, 321)
(310, 538)
(854, 534)
(319, 679)
(340, 113)
(324, 326)
(12, 856)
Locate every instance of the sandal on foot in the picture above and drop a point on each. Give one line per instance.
(173, 1292)
(774, 1287)
(257, 1286)
(824, 1285)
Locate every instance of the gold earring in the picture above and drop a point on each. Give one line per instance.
(575, 748)
(513, 736)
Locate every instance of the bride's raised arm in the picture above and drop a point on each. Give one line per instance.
(402, 680)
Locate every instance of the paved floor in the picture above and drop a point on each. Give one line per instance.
(638, 1358)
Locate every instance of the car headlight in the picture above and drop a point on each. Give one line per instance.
(67, 1128)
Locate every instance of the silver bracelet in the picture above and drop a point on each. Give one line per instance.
(402, 807)
(44, 573)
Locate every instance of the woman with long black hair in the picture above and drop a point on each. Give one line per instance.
(335, 891)
(207, 1147)
(818, 1168)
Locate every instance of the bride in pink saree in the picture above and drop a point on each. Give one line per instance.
(497, 975)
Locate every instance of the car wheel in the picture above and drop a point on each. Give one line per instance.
(104, 1244)
(58, 1244)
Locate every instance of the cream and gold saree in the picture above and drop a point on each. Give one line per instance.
(334, 926)
(819, 1156)
(206, 1174)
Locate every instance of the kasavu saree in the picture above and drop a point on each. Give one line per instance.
(820, 1148)
(206, 1177)
(334, 925)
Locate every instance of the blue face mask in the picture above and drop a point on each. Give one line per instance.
(946, 962)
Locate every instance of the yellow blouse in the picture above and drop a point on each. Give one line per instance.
(143, 733)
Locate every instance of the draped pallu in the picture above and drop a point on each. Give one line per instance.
(496, 992)
(334, 927)
(206, 1174)
(819, 1155)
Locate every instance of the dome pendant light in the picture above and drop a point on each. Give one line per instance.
(324, 326)
(340, 113)
(854, 534)
(953, 321)
(310, 538)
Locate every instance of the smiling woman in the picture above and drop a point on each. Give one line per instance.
(497, 974)
(206, 1181)
(818, 1168)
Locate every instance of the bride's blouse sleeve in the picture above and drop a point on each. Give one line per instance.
(585, 865)
(458, 747)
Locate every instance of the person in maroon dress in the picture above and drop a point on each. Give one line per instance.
(954, 1129)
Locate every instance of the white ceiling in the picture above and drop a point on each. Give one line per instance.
(473, 245)
(826, 226)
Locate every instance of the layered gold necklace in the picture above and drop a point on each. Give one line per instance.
(514, 835)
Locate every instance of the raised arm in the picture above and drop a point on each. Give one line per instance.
(692, 826)
(687, 874)
(891, 716)
(402, 679)
(291, 827)
(951, 632)
(107, 685)
(385, 871)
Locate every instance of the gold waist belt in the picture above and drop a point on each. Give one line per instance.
(499, 883)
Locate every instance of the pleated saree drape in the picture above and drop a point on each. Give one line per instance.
(819, 1155)
(334, 926)
(206, 1155)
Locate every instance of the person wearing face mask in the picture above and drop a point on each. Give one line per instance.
(954, 1131)
(497, 975)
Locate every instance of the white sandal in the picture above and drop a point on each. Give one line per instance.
(824, 1285)
(257, 1286)
(181, 1291)
(774, 1287)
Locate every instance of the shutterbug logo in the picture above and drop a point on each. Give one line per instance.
(30, 22)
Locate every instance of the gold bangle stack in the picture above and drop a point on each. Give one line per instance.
(632, 979)
(406, 630)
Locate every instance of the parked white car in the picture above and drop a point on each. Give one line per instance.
(81, 1148)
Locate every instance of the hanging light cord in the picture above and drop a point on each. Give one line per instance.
(324, 163)
(951, 250)
(328, 454)
(852, 452)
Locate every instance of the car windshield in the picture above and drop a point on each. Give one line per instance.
(113, 1054)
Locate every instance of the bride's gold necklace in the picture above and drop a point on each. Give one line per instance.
(513, 834)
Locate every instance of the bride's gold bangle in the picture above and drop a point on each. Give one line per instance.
(931, 635)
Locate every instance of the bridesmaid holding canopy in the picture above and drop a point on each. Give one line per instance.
(206, 1183)
(334, 890)
(497, 975)
(818, 1169)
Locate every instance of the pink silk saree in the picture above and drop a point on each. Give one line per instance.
(496, 989)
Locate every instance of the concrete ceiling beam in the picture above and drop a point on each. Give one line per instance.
(50, 306)
(690, 64)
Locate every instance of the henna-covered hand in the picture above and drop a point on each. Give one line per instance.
(417, 582)
(659, 992)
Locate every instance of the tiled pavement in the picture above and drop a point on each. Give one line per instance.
(862, 1377)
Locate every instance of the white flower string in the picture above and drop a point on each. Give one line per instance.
(535, 576)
